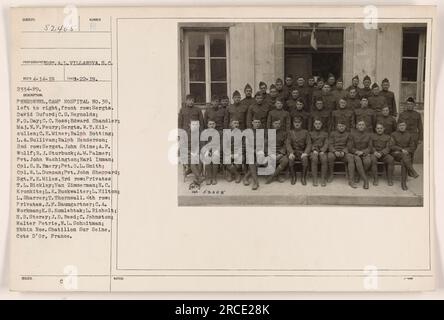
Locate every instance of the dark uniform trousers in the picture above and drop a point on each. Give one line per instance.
(281, 158)
(319, 142)
(382, 144)
(361, 141)
(298, 142)
(338, 142)
(414, 126)
(403, 140)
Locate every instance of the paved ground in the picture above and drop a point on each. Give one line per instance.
(283, 194)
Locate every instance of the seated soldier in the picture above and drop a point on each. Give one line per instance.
(298, 148)
(337, 147)
(360, 146)
(382, 144)
(403, 146)
(211, 168)
(279, 157)
(319, 146)
(252, 167)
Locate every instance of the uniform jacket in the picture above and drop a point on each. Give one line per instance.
(217, 114)
(389, 123)
(188, 114)
(403, 140)
(367, 115)
(257, 110)
(377, 102)
(345, 115)
(319, 140)
(282, 115)
(325, 117)
(414, 122)
(238, 111)
(390, 100)
(298, 140)
(302, 114)
(338, 141)
(360, 141)
(382, 143)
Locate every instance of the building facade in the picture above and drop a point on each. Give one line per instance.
(217, 59)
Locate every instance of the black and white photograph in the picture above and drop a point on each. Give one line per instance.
(302, 113)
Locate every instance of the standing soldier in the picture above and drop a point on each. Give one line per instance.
(353, 101)
(303, 90)
(337, 147)
(298, 111)
(328, 97)
(389, 97)
(236, 110)
(319, 147)
(298, 148)
(310, 88)
(248, 100)
(291, 102)
(338, 92)
(321, 113)
(224, 102)
(365, 114)
(360, 146)
(278, 113)
(190, 118)
(354, 85)
(280, 89)
(331, 80)
(270, 99)
(280, 159)
(382, 145)
(317, 93)
(288, 87)
(343, 115)
(215, 112)
(211, 168)
(402, 148)
(366, 91)
(257, 110)
(387, 120)
(414, 123)
(263, 89)
(376, 101)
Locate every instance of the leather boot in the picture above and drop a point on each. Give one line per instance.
(390, 169)
(293, 175)
(304, 175)
(247, 178)
(314, 172)
(404, 178)
(323, 174)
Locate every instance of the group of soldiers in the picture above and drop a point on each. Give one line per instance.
(316, 122)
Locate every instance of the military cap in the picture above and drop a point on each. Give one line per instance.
(247, 86)
(385, 80)
(236, 93)
(410, 99)
(272, 87)
(262, 83)
(355, 77)
(259, 93)
(300, 100)
(375, 85)
(367, 78)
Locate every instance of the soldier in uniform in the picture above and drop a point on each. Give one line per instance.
(365, 114)
(343, 115)
(402, 148)
(353, 101)
(303, 90)
(248, 100)
(252, 167)
(321, 113)
(366, 91)
(387, 120)
(280, 89)
(337, 150)
(290, 104)
(236, 110)
(263, 89)
(278, 113)
(234, 169)
(224, 102)
(288, 87)
(298, 148)
(414, 123)
(215, 112)
(319, 147)
(258, 110)
(317, 92)
(280, 159)
(299, 111)
(376, 101)
(190, 118)
(331, 80)
(354, 85)
(338, 92)
(389, 97)
(310, 88)
(270, 99)
(328, 97)
(211, 169)
(382, 145)
(360, 146)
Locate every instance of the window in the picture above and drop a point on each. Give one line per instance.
(206, 66)
(413, 65)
